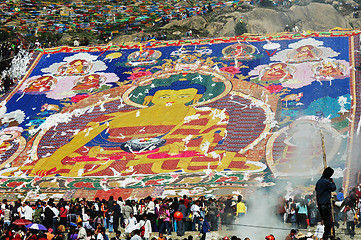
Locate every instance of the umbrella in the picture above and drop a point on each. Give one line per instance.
(36, 226)
(21, 222)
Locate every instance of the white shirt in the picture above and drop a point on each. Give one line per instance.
(121, 204)
(76, 43)
(27, 212)
(100, 236)
(320, 229)
(136, 237)
(195, 209)
(147, 227)
(6, 215)
(85, 218)
(82, 233)
(150, 208)
(55, 211)
(135, 210)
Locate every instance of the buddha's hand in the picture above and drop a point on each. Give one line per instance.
(176, 148)
(147, 100)
(94, 151)
(43, 170)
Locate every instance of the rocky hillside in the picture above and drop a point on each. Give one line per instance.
(312, 16)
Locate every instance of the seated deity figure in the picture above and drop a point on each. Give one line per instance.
(168, 129)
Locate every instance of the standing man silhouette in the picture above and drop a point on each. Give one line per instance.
(324, 187)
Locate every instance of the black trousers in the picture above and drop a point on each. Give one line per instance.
(326, 215)
(116, 222)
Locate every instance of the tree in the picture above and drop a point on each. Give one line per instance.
(240, 28)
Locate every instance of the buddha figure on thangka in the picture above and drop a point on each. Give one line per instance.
(180, 125)
(89, 82)
(239, 51)
(41, 84)
(75, 68)
(306, 53)
(277, 72)
(330, 69)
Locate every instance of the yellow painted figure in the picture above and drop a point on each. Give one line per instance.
(167, 136)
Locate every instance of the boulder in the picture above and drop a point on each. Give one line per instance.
(247, 5)
(66, 38)
(214, 29)
(264, 20)
(317, 17)
(336, 3)
(228, 29)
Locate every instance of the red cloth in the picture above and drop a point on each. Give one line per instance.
(186, 202)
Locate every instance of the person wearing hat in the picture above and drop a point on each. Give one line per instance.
(324, 186)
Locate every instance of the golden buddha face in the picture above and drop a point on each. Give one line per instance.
(172, 97)
(305, 49)
(77, 63)
(277, 67)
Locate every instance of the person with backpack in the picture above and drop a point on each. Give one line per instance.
(145, 227)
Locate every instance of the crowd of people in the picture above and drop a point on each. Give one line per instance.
(81, 219)
(33, 17)
(112, 214)
(135, 217)
(9, 49)
(323, 210)
(6, 83)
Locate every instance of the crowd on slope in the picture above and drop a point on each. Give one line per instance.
(33, 18)
(9, 49)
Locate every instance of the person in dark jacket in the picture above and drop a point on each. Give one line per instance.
(116, 216)
(205, 227)
(324, 187)
(48, 215)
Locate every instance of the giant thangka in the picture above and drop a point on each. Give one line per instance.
(209, 116)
